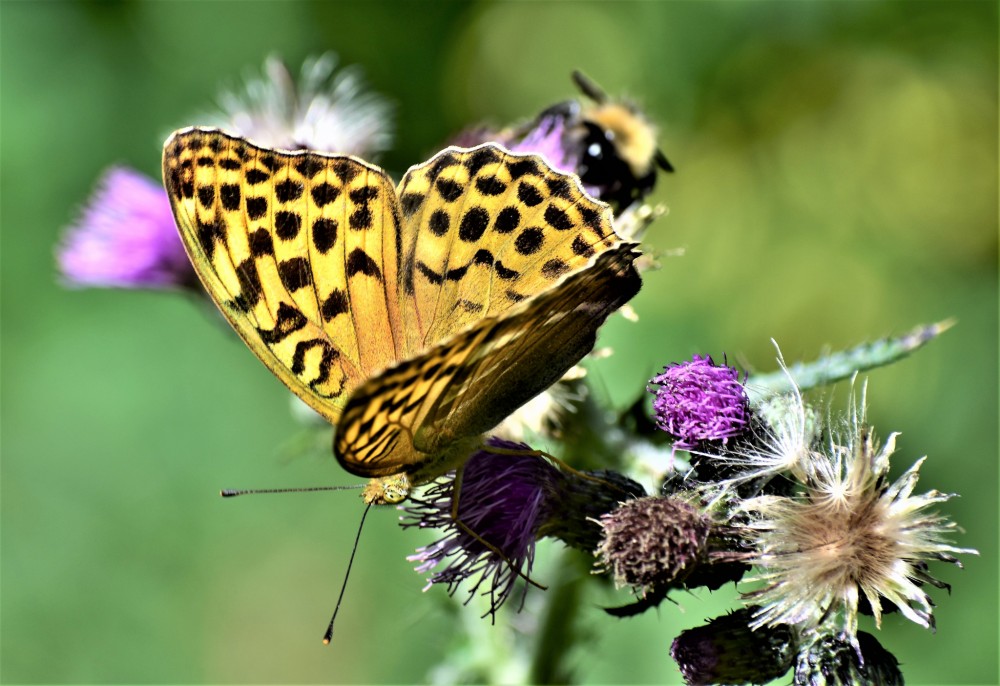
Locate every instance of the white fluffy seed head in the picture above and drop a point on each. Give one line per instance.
(847, 533)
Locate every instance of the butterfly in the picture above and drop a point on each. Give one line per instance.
(413, 318)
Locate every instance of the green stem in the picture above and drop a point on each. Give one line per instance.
(556, 636)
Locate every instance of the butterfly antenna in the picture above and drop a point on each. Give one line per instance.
(328, 636)
(589, 88)
(233, 492)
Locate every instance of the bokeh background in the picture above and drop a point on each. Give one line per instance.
(837, 182)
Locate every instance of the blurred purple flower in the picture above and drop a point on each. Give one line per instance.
(548, 137)
(700, 401)
(125, 237)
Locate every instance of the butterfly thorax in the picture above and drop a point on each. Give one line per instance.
(423, 468)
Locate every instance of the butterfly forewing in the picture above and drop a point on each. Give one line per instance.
(294, 248)
(485, 229)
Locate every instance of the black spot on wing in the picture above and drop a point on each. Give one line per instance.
(330, 356)
(581, 247)
(229, 194)
(288, 190)
(529, 241)
(334, 304)
(507, 220)
(480, 158)
(490, 185)
(474, 223)
(295, 273)
(256, 208)
(303, 347)
(287, 224)
(558, 219)
(361, 218)
(450, 190)
(440, 164)
(324, 194)
(206, 196)
(590, 217)
(290, 320)
(261, 243)
(469, 306)
(255, 176)
(411, 202)
(364, 194)
(554, 268)
(505, 273)
(249, 279)
(519, 168)
(324, 234)
(408, 277)
(210, 232)
(358, 262)
(346, 170)
(439, 222)
(528, 194)
(308, 166)
(270, 162)
(429, 273)
(559, 186)
(483, 256)
(456, 274)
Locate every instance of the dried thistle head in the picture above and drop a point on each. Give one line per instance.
(849, 533)
(651, 543)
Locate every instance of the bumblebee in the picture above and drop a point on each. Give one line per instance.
(614, 146)
(609, 144)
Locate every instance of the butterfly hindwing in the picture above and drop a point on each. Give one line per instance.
(467, 384)
(497, 307)
(299, 251)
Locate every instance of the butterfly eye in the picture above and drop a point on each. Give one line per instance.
(395, 489)
(394, 495)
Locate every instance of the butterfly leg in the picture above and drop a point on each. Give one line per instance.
(455, 495)
(531, 452)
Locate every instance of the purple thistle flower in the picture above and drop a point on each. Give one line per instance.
(125, 238)
(510, 501)
(505, 499)
(700, 401)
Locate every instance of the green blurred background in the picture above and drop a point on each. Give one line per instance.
(837, 181)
